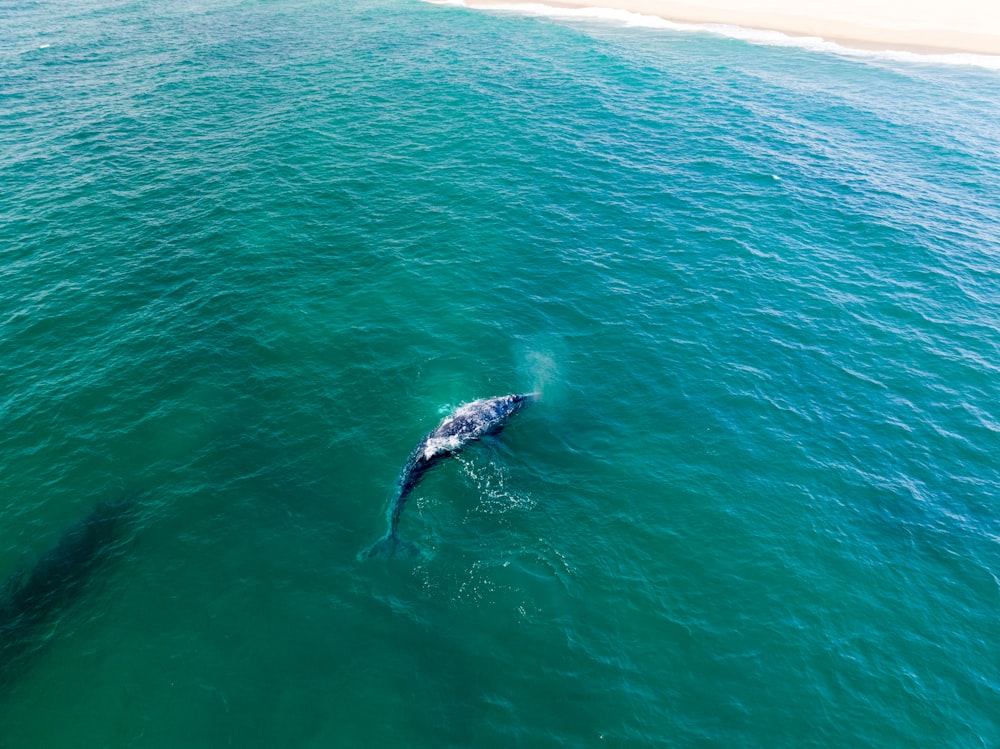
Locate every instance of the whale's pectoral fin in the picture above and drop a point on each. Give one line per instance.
(491, 441)
(495, 430)
(391, 547)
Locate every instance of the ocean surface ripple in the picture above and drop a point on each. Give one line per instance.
(253, 251)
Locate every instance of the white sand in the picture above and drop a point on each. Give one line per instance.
(918, 25)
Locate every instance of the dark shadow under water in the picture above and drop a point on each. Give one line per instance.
(37, 594)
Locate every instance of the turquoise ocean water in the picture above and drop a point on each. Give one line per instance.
(250, 252)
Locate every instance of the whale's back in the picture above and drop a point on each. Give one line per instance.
(486, 416)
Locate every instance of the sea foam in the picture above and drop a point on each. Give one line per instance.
(751, 35)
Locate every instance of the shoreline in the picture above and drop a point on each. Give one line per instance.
(917, 26)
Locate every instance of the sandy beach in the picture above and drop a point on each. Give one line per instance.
(969, 26)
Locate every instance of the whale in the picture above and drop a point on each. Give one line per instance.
(36, 596)
(466, 424)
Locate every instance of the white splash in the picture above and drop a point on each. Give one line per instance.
(438, 445)
(494, 487)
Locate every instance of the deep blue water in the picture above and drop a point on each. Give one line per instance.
(250, 252)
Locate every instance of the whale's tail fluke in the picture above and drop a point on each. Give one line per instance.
(391, 546)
